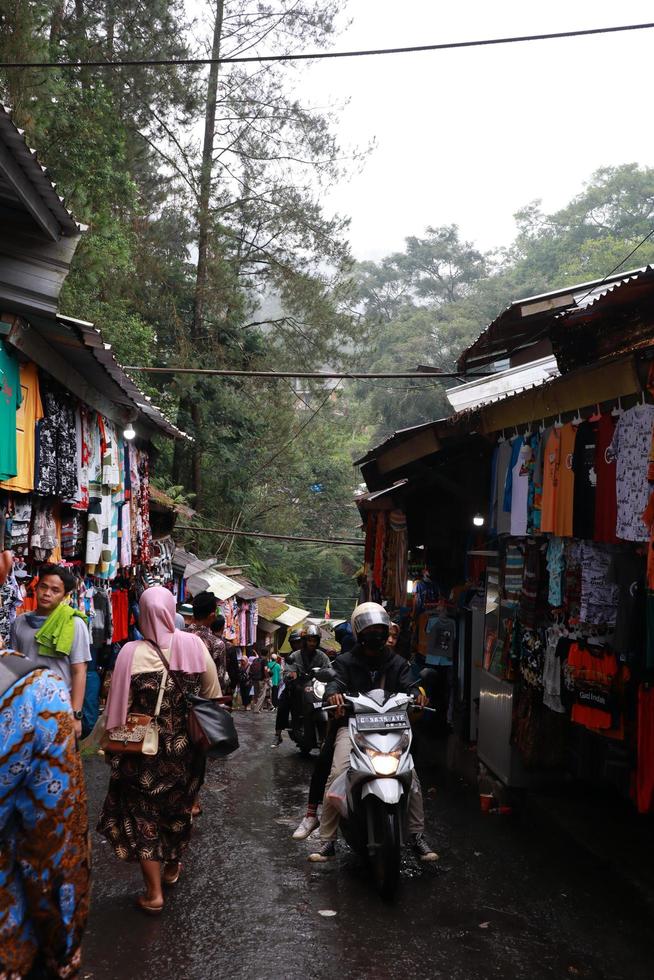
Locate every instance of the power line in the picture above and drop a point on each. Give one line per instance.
(274, 537)
(326, 55)
(306, 375)
(615, 268)
(300, 429)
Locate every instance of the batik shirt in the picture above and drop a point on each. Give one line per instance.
(44, 858)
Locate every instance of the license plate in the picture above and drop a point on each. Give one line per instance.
(382, 723)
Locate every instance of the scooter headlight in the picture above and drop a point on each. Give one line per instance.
(384, 763)
(319, 689)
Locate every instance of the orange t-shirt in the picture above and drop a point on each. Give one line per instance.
(29, 413)
(565, 490)
(550, 481)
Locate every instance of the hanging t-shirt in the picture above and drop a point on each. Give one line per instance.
(583, 465)
(29, 413)
(516, 446)
(606, 506)
(551, 459)
(534, 495)
(10, 399)
(594, 670)
(566, 482)
(555, 566)
(520, 490)
(441, 635)
(627, 571)
(599, 597)
(503, 519)
(630, 447)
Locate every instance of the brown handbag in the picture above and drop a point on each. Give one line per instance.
(140, 733)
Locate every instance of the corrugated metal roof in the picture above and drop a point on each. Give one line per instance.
(521, 324)
(101, 352)
(210, 580)
(292, 616)
(249, 590)
(270, 608)
(37, 174)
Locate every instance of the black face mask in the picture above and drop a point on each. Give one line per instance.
(374, 642)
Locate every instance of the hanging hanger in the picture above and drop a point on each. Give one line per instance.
(617, 409)
(541, 427)
(577, 420)
(596, 416)
(558, 424)
(642, 397)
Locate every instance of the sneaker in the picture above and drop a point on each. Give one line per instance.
(306, 828)
(327, 851)
(278, 740)
(421, 848)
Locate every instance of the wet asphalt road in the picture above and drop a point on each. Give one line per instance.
(505, 900)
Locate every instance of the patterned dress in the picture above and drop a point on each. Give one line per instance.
(146, 815)
(44, 857)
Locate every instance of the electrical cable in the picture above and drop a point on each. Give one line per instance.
(301, 429)
(275, 537)
(326, 55)
(310, 375)
(615, 268)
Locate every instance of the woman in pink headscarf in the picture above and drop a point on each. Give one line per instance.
(146, 815)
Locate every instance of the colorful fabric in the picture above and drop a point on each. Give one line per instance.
(513, 574)
(44, 859)
(10, 400)
(29, 413)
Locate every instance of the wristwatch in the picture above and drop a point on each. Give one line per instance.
(77, 715)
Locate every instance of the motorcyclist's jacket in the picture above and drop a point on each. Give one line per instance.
(356, 673)
(302, 661)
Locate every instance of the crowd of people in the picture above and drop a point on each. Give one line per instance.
(154, 794)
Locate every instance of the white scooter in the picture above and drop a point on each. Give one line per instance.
(372, 795)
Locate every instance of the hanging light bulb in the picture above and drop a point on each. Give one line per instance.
(479, 520)
(130, 432)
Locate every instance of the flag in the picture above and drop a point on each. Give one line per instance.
(328, 612)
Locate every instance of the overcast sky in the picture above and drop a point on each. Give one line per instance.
(471, 136)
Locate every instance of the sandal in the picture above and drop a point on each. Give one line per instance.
(145, 906)
(171, 879)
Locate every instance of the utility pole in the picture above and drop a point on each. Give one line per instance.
(191, 403)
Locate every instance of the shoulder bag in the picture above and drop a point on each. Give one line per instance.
(140, 733)
(210, 726)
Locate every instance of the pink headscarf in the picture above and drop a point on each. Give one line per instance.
(185, 651)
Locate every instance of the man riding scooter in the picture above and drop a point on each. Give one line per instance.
(306, 656)
(368, 666)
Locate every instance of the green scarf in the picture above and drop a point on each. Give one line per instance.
(55, 637)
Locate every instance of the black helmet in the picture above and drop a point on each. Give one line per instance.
(295, 636)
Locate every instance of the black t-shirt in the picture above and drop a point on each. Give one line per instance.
(583, 465)
(627, 571)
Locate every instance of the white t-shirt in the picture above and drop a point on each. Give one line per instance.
(520, 492)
